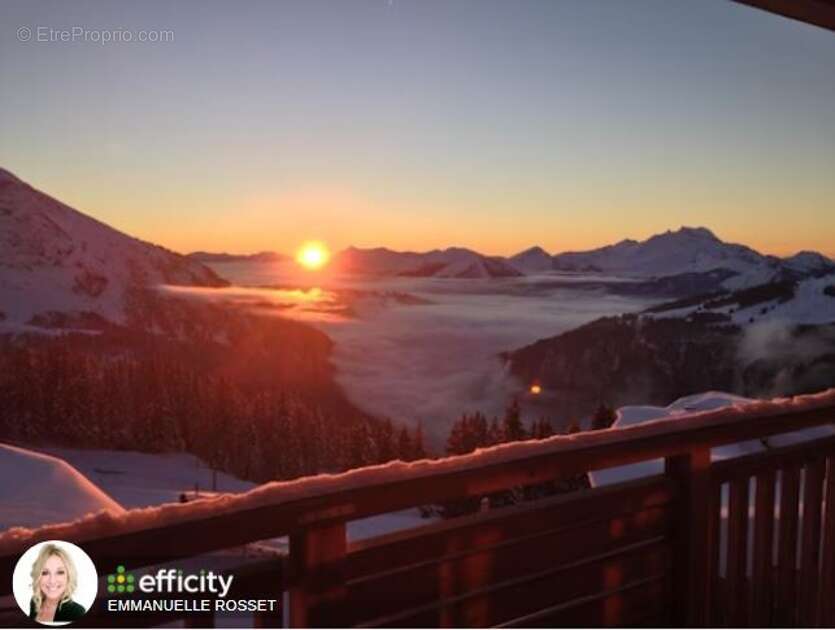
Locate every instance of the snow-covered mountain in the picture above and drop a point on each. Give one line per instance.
(687, 249)
(532, 260)
(694, 250)
(809, 262)
(454, 262)
(56, 259)
(807, 301)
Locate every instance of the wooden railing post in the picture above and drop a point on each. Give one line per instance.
(826, 606)
(317, 559)
(692, 544)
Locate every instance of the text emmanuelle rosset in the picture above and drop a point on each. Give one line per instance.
(192, 605)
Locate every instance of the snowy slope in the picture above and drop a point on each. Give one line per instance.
(137, 479)
(807, 301)
(37, 489)
(809, 305)
(54, 258)
(454, 262)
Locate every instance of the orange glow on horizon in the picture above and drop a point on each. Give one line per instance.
(313, 255)
(536, 389)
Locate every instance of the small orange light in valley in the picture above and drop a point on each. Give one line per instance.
(536, 389)
(313, 255)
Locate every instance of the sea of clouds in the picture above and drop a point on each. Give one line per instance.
(436, 357)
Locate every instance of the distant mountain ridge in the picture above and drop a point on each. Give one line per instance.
(56, 259)
(455, 262)
(690, 253)
(74, 262)
(223, 257)
(687, 250)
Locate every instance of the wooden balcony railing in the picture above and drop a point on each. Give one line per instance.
(663, 550)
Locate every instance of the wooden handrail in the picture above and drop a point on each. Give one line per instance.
(439, 481)
(749, 465)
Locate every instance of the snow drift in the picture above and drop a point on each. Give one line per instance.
(37, 489)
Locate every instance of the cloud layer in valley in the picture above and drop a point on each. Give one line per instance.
(436, 361)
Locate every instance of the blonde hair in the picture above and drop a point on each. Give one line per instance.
(46, 552)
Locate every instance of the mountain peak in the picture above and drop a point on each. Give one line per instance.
(695, 232)
(685, 250)
(536, 250)
(533, 259)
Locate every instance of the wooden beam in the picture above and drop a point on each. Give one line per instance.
(816, 12)
(737, 553)
(811, 543)
(691, 549)
(786, 602)
(317, 562)
(826, 605)
(763, 549)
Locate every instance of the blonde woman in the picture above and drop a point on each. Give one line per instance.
(54, 579)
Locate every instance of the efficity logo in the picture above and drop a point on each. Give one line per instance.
(121, 582)
(169, 581)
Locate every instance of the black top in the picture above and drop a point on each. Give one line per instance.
(68, 611)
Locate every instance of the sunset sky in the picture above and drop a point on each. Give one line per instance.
(416, 124)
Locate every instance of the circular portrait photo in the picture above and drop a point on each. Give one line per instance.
(55, 583)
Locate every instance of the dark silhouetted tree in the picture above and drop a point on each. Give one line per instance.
(603, 417)
(512, 428)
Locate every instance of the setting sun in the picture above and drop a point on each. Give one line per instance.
(313, 255)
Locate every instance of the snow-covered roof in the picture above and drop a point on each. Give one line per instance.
(37, 489)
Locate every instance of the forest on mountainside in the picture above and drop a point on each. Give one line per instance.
(261, 404)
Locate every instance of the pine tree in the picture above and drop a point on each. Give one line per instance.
(457, 440)
(417, 442)
(542, 429)
(603, 418)
(494, 432)
(512, 426)
(405, 449)
(359, 446)
(384, 440)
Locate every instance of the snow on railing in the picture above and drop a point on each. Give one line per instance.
(602, 449)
